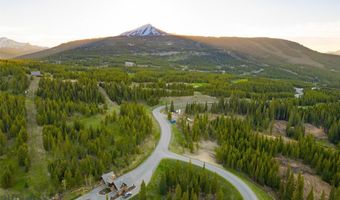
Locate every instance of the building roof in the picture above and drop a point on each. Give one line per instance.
(109, 178)
(35, 73)
(118, 183)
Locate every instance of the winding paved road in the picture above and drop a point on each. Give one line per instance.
(147, 168)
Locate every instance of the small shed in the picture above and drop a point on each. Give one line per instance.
(36, 73)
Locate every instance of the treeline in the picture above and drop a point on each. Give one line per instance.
(250, 88)
(170, 76)
(60, 71)
(169, 86)
(57, 111)
(312, 97)
(80, 155)
(57, 100)
(120, 92)
(84, 90)
(196, 108)
(13, 78)
(292, 188)
(100, 75)
(181, 181)
(13, 138)
(254, 154)
(261, 112)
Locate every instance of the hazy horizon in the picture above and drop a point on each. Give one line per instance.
(48, 23)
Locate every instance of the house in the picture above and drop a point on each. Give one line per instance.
(36, 73)
(116, 185)
(108, 180)
(129, 64)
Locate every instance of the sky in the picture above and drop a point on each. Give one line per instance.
(314, 23)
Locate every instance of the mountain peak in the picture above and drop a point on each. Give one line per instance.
(10, 48)
(145, 30)
(8, 43)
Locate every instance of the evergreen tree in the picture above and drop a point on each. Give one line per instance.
(334, 193)
(23, 155)
(6, 177)
(220, 195)
(3, 141)
(163, 185)
(298, 192)
(169, 116)
(185, 196)
(142, 193)
(323, 196)
(178, 192)
(310, 195)
(172, 107)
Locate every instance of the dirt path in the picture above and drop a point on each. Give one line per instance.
(110, 104)
(107, 98)
(38, 174)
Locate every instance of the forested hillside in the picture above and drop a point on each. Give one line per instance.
(77, 153)
(13, 79)
(95, 120)
(265, 57)
(177, 180)
(243, 148)
(14, 154)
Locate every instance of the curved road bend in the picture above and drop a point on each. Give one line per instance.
(147, 168)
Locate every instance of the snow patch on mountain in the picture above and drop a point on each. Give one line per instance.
(146, 30)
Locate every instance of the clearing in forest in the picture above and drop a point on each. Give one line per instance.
(38, 177)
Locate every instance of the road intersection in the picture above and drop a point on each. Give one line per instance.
(145, 171)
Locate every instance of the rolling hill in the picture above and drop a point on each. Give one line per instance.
(10, 48)
(335, 53)
(149, 46)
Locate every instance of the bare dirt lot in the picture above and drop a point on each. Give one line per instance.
(319, 133)
(310, 178)
(279, 128)
(205, 152)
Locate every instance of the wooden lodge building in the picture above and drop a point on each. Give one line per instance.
(115, 185)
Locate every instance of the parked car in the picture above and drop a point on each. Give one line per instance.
(127, 195)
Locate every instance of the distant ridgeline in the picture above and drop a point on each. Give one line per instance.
(149, 46)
